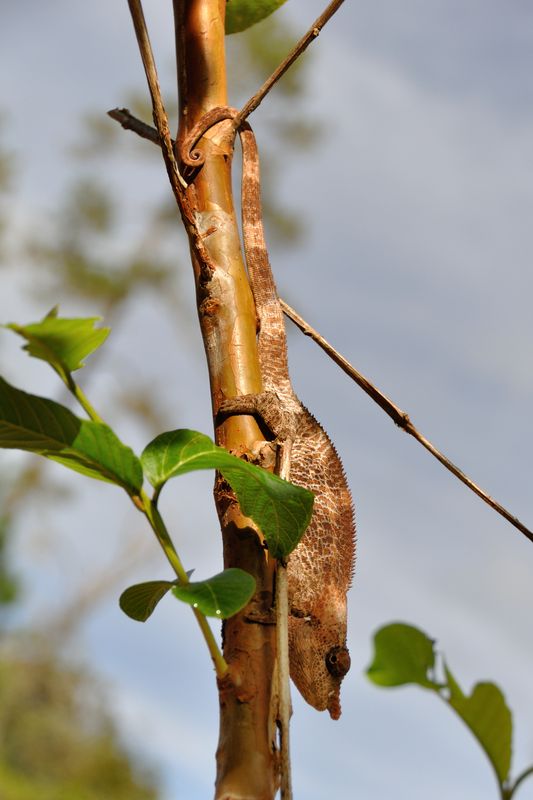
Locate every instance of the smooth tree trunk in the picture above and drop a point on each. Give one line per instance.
(247, 756)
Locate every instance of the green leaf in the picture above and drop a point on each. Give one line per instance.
(139, 601)
(29, 422)
(62, 342)
(403, 654)
(242, 14)
(177, 452)
(280, 509)
(221, 596)
(488, 717)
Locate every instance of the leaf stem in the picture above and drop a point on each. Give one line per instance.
(158, 526)
(456, 711)
(80, 396)
(150, 510)
(523, 775)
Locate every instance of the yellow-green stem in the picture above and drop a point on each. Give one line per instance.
(78, 393)
(163, 537)
(149, 508)
(82, 400)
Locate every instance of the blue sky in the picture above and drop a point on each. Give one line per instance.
(417, 267)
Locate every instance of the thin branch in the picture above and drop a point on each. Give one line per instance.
(401, 418)
(295, 53)
(177, 182)
(158, 109)
(131, 123)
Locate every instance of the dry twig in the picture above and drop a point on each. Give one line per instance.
(401, 418)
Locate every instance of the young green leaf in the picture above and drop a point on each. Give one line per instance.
(221, 596)
(488, 717)
(177, 452)
(62, 342)
(242, 14)
(139, 601)
(29, 422)
(280, 509)
(403, 654)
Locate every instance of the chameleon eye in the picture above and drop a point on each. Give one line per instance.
(338, 661)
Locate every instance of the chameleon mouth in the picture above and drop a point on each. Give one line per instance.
(338, 661)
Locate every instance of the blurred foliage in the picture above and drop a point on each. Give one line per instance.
(80, 259)
(6, 173)
(9, 585)
(57, 742)
(254, 55)
(100, 135)
(241, 14)
(6, 165)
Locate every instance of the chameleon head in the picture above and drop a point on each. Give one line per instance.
(319, 658)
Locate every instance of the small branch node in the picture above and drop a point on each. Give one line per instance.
(404, 421)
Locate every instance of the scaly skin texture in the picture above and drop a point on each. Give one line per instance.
(321, 567)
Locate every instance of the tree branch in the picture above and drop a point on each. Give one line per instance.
(401, 418)
(159, 113)
(131, 123)
(295, 53)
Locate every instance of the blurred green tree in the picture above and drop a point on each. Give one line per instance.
(57, 742)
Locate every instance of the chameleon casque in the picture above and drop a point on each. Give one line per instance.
(320, 568)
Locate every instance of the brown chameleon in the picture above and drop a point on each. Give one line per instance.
(320, 568)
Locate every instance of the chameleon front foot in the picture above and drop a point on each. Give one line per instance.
(264, 406)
